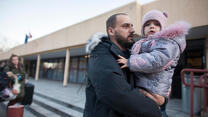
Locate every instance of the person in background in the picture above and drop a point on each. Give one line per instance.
(15, 70)
(2, 65)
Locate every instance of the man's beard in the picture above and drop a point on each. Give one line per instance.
(122, 41)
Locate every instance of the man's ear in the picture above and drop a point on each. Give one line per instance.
(111, 31)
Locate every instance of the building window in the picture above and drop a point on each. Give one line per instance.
(52, 69)
(77, 70)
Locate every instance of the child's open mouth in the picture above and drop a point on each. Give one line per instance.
(151, 32)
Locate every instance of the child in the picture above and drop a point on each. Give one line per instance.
(155, 56)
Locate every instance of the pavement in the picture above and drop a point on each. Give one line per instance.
(52, 99)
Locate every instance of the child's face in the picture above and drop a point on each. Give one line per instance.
(151, 27)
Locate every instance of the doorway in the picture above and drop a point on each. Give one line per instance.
(194, 56)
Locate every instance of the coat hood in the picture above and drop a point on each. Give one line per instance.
(176, 32)
(157, 15)
(93, 41)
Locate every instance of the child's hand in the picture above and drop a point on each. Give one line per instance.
(123, 61)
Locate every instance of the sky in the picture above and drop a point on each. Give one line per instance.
(42, 17)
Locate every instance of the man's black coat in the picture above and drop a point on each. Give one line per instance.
(108, 93)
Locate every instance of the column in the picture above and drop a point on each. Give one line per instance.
(37, 67)
(22, 60)
(66, 69)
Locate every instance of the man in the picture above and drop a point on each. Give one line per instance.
(108, 92)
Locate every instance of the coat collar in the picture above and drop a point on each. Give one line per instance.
(116, 50)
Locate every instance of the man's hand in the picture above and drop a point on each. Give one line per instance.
(123, 61)
(155, 97)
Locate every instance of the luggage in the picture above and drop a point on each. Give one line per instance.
(15, 111)
(29, 91)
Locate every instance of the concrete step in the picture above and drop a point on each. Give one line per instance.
(45, 106)
(40, 111)
(56, 106)
(61, 102)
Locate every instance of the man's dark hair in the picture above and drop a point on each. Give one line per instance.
(111, 21)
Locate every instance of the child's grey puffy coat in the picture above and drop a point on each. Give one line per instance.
(154, 59)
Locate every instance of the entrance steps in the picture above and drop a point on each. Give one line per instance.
(45, 106)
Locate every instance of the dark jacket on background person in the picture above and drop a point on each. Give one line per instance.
(2, 68)
(4, 80)
(108, 93)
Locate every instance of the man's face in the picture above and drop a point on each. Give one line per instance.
(15, 60)
(124, 31)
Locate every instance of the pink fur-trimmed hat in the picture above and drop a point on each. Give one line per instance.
(161, 17)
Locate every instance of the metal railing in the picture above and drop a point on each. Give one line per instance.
(203, 83)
